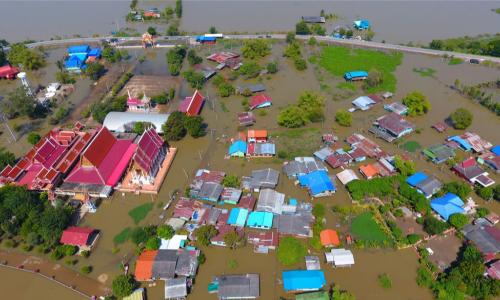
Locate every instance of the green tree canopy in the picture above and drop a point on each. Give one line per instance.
(124, 285)
(458, 220)
(94, 70)
(138, 235)
(461, 189)
(255, 48)
(151, 30)
(193, 58)
(250, 69)
(301, 28)
(272, 67)
(234, 240)
(173, 129)
(195, 79)
(405, 167)
(204, 233)
(194, 126)
(153, 243)
(486, 193)
(343, 118)
(225, 89)
(33, 138)
(417, 103)
(165, 231)
(461, 118)
(18, 103)
(30, 59)
(434, 226)
(312, 104)
(291, 117)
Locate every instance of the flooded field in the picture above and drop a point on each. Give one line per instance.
(393, 21)
(209, 151)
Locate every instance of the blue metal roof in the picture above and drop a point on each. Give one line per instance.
(317, 182)
(448, 205)
(416, 178)
(95, 52)
(496, 150)
(202, 38)
(237, 217)
(463, 143)
(238, 146)
(355, 74)
(301, 280)
(74, 62)
(78, 49)
(260, 219)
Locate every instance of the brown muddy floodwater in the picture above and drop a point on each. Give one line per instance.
(393, 21)
(209, 151)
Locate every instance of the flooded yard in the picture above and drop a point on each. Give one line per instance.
(209, 152)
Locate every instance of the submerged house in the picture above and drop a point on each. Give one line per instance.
(246, 286)
(364, 102)
(260, 100)
(318, 183)
(176, 288)
(372, 149)
(261, 150)
(302, 166)
(238, 149)
(329, 238)
(486, 238)
(81, 237)
(391, 127)
(191, 106)
(314, 19)
(270, 201)
(101, 166)
(257, 136)
(237, 217)
(397, 108)
(253, 88)
(448, 205)
(478, 144)
(460, 143)
(323, 153)
(303, 280)
(297, 224)
(355, 75)
(347, 176)
(469, 170)
(439, 153)
(246, 119)
(263, 241)
(260, 220)
(264, 178)
(340, 258)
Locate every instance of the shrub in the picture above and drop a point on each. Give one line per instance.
(458, 220)
(384, 281)
(153, 243)
(250, 69)
(123, 285)
(85, 253)
(413, 238)
(138, 236)
(291, 117)
(272, 67)
(202, 258)
(482, 212)
(165, 231)
(33, 138)
(255, 48)
(86, 269)
(434, 226)
(461, 118)
(343, 118)
(417, 103)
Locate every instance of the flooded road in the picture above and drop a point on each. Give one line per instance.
(393, 21)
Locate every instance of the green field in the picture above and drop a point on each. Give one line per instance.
(365, 228)
(411, 146)
(347, 86)
(122, 237)
(140, 212)
(339, 60)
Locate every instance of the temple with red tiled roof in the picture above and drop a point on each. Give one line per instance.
(148, 158)
(49, 160)
(191, 106)
(100, 167)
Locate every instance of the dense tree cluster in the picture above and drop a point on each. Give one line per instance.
(309, 108)
(253, 49)
(461, 118)
(30, 59)
(29, 215)
(175, 57)
(204, 233)
(250, 69)
(293, 52)
(178, 125)
(18, 103)
(417, 103)
(195, 79)
(193, 58)
(343, 118)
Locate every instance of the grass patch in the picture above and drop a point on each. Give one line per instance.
(295, 132)
(411, 146)
(339, 60)
(455, 61)
(122, 237)
(223, 106)
(365, 228)
(140, 212)
(232, 264)
(351, 86)
(291, 251)
(425, 72)
(384, 281)
(286, 140)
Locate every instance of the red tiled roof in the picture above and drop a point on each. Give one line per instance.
(192, 105)
(368, 170)
(338, 160)
(99, 147)
(148, 148)
(329, 237)
(8, 71)
(76, 236)
(259, 99)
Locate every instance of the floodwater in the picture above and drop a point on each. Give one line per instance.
(209, 151)
(393, 21)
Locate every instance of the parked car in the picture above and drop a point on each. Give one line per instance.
(474, 61)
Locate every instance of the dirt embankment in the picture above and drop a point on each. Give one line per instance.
(55, 272)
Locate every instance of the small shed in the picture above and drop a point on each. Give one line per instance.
(340, 257)
(312, 262)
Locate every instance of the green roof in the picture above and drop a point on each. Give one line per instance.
(321, 295)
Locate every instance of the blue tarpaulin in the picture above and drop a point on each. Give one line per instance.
(448, 205)
(202, 38)
(416, 178)
(496, 150)
(238, 148)
(317, 182)
(303, 280)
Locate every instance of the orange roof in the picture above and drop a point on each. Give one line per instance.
(329, 237)
(368, 170)
(257, 133)
(144, 265)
